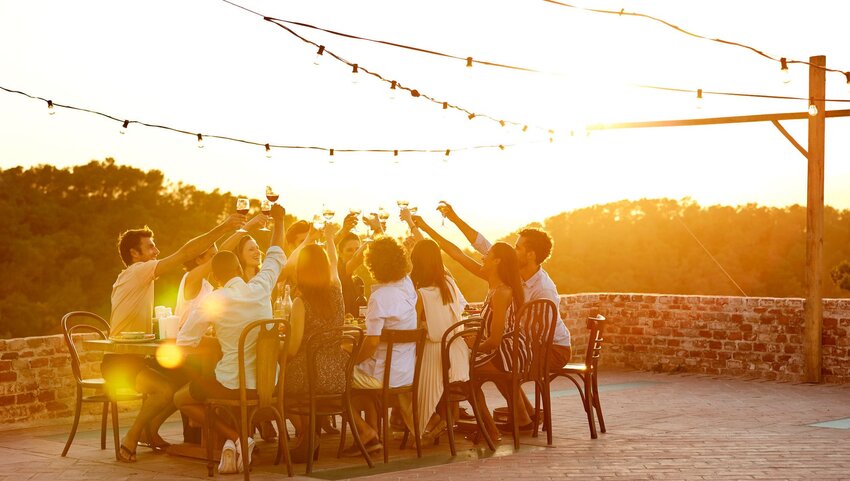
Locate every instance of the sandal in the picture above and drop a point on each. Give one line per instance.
(435, 433)
(160, 448)
(125, 455)
(371, 447)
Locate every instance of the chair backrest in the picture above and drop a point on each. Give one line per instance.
(271, 347)
(460, 332)
(594, 340)
(403, 336)
(331, 340)
(536, 320)
(80, 322)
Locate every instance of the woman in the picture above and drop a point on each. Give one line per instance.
(440, 305)
(319, 306)
(249, 255)
(504, 298)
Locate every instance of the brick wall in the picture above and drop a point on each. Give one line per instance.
(728, 336)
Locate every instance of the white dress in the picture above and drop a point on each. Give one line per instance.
(189, 332)
(439, 317)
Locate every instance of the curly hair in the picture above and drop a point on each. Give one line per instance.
(386, 260)
(539, 242)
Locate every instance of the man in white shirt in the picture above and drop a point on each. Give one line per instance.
(230, 308)
(132, 311)
(392, 305)
(533, 247)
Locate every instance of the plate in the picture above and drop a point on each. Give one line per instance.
(147, 338)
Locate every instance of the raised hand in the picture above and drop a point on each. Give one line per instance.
(278, 212)
(446, 209)
(373, 222)
(259, 219)
(235, 221)
(350, 222)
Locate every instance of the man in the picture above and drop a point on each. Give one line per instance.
(533, 247)
(132, 311)
(230, 308)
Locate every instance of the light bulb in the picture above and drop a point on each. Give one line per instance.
(813, 109)
(524, 128)
(444, 112)
(354, 72)
(268, 151)
(395, 156)
(331, 159)
(393, 89)
(124, 127)
(50, 109)
(319, 55)
(785, 75)
(699, 99)
(847, 74)
(200, 141)
(468, 68)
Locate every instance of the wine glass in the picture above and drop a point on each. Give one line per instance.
(402, 203)
(266, 208)
(383, 215)
(271, 195)
(327, 213)
(242, 207)
(319, 225)
(442, 207)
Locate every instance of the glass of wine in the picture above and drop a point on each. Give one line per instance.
(327, 213)
(242, 207)
(319, 225)
(266, 208)
(271, 195)
(383, 215)
(442, 207)
(402, 204)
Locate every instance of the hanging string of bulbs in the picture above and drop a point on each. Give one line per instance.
(267, 147)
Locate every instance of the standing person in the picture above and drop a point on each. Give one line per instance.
(234, 305)
(392, 305)
(440, 305)
(350, 251)
(533, 248)
(132, 311)
(319, 306)
(504, 299)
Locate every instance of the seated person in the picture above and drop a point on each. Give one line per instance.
(230, 308)
(392, 305)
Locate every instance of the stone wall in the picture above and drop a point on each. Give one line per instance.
(726, 336)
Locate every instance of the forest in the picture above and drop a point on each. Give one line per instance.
(60, 226)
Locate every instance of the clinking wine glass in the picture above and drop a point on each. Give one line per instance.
(383, 216)
(271, 195)
(266, 208)
(328, 213)
(319, 225)
(442, 207)
(243, 205)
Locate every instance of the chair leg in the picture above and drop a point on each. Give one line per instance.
(450, 432)
(283, 444)
(311, 438)
(385, 417)
(356, 435)
(243, 439)
(588, 404)
(536, 417)
(116, 435)
(547, 411)
(476, 410)
(208, 439)
(103, 420)
(597, 403)
(78, 407)
(516, 406)
(417, 435)
(343, 424)
(405, 438)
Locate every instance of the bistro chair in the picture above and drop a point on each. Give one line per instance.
(317, 404)
(462, 331)
(536, 321)
(382, 398)
(266, 401)
(587, 373)
(80, 322)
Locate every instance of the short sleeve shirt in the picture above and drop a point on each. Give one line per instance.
(132, 298)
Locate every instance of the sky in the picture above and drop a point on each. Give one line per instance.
(206, 66)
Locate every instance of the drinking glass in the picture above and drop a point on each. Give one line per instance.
(271, 195)
(266, 208)
(442, 207)
(327, 213)
(319, 225)
(383, 215)
(242, 207)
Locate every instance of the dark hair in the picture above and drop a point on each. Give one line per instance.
(131, 239)
(386, 260)
(347, 237)
(225, 264)
(428, 269)
(508, 271)
(539, 242)
(313, 273)
(238, 251)
(193, 262)
(296, 229)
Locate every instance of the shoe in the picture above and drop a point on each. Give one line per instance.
(299, 454)
(508, 427)
(464, 415)
(125, 455)
(371, 447)
(240, 457)
(435, 433)
(227, 465)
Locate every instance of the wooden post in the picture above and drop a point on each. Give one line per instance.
(813, 330)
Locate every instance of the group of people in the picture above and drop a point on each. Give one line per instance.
(227, 287)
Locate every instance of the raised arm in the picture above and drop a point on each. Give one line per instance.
(332, 257)
(198, 245)
(447, 210)
(356, 260)
(452, 250)
(231, 242)
(407, 217)
(292, 260)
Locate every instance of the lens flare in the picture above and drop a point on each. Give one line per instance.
(169, 356)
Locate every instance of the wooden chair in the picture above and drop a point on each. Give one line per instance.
(587, 373)
(271, 348)
(316, 404)
(461, 391)
(79, 322)
(536, 321)
(392, 337)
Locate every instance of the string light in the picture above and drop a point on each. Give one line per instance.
(785, 75)
(395, 156)
(200, 141)
(50, 109)
(393, 90)
(813, 109)
(356, 78)
(268, 151)
(124, 127)
(699, 98)
(501, 147)
(331, 159)
(318, 60)
(471, 116)
(524, 128)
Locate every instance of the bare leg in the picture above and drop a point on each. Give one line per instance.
(368, 428)
(159, 395)
(196, 412)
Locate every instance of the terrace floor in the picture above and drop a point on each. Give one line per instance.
(660, 426)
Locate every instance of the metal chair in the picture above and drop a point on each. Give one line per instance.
(272, 348)
(80, 322)
(587, 373)
(316, 404)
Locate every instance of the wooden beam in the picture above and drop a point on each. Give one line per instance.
(716, 120)
(813, 313)
(790, 138)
